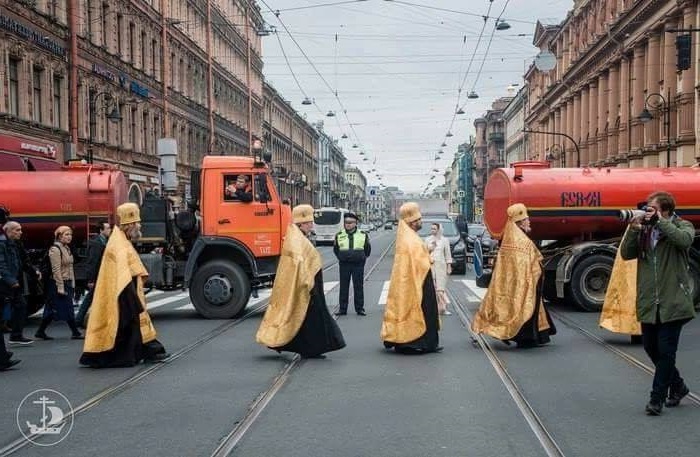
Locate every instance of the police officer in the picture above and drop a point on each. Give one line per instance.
(351, 247)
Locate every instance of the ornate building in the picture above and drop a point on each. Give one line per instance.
(293, 143)
(356, 191)
(489, 146)
(614, 58)
(331, 169)
(104, 81)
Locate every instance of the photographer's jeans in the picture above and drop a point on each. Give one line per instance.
(661, 343)
(84, 306)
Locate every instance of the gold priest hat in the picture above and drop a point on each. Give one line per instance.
(128, 213)
(517, 212)
(303, 213)
(410, 212)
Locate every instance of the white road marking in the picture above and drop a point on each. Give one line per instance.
(385, 293)
(471, 285)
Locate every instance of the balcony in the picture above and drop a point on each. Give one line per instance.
(496, 136)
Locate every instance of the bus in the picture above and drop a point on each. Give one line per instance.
(328, 221)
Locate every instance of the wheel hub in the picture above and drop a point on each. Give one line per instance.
(217, 290)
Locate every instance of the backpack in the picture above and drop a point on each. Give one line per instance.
(45, 266)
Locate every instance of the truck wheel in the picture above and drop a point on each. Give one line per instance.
(695, 284)
(220, 290)
(589, 281)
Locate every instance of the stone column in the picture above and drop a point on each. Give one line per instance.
(592, 122)
(624, 132)
(651, 129)
(584, 118)
(613, 111)
(638, 74)
(685, 153)
(601, 137)
(558, 120)
(576, 123)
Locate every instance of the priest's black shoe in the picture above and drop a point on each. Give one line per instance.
(654, 408)
(361, 313)
(340, 313)
(675, 398)
(317, 356)
(8, 364)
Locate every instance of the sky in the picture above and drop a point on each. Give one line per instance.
(391, 71)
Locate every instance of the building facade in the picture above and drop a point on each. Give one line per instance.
(294, 144)
(514, 117)
(356, 191)
(331, 169)
(376, 204)
(489, 146)
(614, 59)
(104, 81)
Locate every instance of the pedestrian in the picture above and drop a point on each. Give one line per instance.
(60, 286)
(513, 309)
(411, 320)
(297, 318)
(13, 266)
(441, 258)
(96, 249)
(6, 360)
(351, 247)
(119, 331)
(660, 241)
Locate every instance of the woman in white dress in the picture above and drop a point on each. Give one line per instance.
(439, 248)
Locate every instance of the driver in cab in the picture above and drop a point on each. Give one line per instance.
(240, 190)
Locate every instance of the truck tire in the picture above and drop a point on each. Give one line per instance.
(220, 290)
(589, 281)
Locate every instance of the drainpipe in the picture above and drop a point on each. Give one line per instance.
(210, 93)
(164, 63)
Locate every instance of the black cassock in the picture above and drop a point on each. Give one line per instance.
(529, 334)
(429, 341)
(129, 348)
(319, 333)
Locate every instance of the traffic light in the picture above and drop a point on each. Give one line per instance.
(683, 48)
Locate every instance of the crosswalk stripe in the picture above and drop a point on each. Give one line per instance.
(471, 285)
(153, 293)
(385, 293)
(164, 301)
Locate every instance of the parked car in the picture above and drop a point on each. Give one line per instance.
(388, 226)
(457, 246)
(479, 231)
(365, 227)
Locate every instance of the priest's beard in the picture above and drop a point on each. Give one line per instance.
(134, 234)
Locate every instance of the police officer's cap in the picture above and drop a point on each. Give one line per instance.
(351, 216)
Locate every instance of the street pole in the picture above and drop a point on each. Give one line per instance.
(578, 151)
(667, 124)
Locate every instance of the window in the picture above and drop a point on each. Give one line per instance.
(173, 71)
(120, 26)
(57, 83)
(237, 188)
(14, 87)
(89, 19)
(105, 24)
(144, 45)
(154, 56)
(132, 43)
(36, 92)
(144, 132)
(133, 128)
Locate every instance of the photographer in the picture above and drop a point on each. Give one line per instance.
(660, 240)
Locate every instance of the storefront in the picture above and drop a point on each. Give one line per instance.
(22, 154)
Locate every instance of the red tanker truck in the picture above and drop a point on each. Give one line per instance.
(220, 248)
(575, 218)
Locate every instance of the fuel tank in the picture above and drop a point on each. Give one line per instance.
(75, 196)
(583, 203)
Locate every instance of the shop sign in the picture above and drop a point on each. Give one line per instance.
(9, 24)
(22, 146)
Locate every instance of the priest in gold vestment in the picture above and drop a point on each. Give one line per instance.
(411, 320)
(297, 318)
(120, 332)
(512, 309)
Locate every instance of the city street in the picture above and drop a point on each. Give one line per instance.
(220, 393)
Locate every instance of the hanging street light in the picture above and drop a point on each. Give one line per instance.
(502, 25)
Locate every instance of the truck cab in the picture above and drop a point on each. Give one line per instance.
(240, 237)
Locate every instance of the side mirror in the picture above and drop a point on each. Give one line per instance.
(264, 198)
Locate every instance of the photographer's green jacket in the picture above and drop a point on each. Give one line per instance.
(663, 277)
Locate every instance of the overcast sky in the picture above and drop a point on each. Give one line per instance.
(396, 67)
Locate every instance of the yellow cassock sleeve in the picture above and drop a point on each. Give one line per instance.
(120, 264)
(291, 292)
(403, 316)
(512, 294)
(619, 313)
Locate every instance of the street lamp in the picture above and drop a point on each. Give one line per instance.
(578, 151)
(646, 116)
(114, 116)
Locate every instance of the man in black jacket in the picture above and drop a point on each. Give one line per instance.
(351, 247)
(13, 265)
(96, 249)
(6, 360)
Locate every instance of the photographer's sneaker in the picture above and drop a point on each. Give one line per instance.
(675, 398)
(20, 340)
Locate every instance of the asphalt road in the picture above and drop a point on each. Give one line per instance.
(362, 400)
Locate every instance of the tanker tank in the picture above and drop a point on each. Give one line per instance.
(583, 203)
(75, 196)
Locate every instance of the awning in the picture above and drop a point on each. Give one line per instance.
(11, 162)
(41, 165)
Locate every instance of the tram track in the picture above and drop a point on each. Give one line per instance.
(629, 358)
(150, 369)
(545, 438)
(229, 442)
